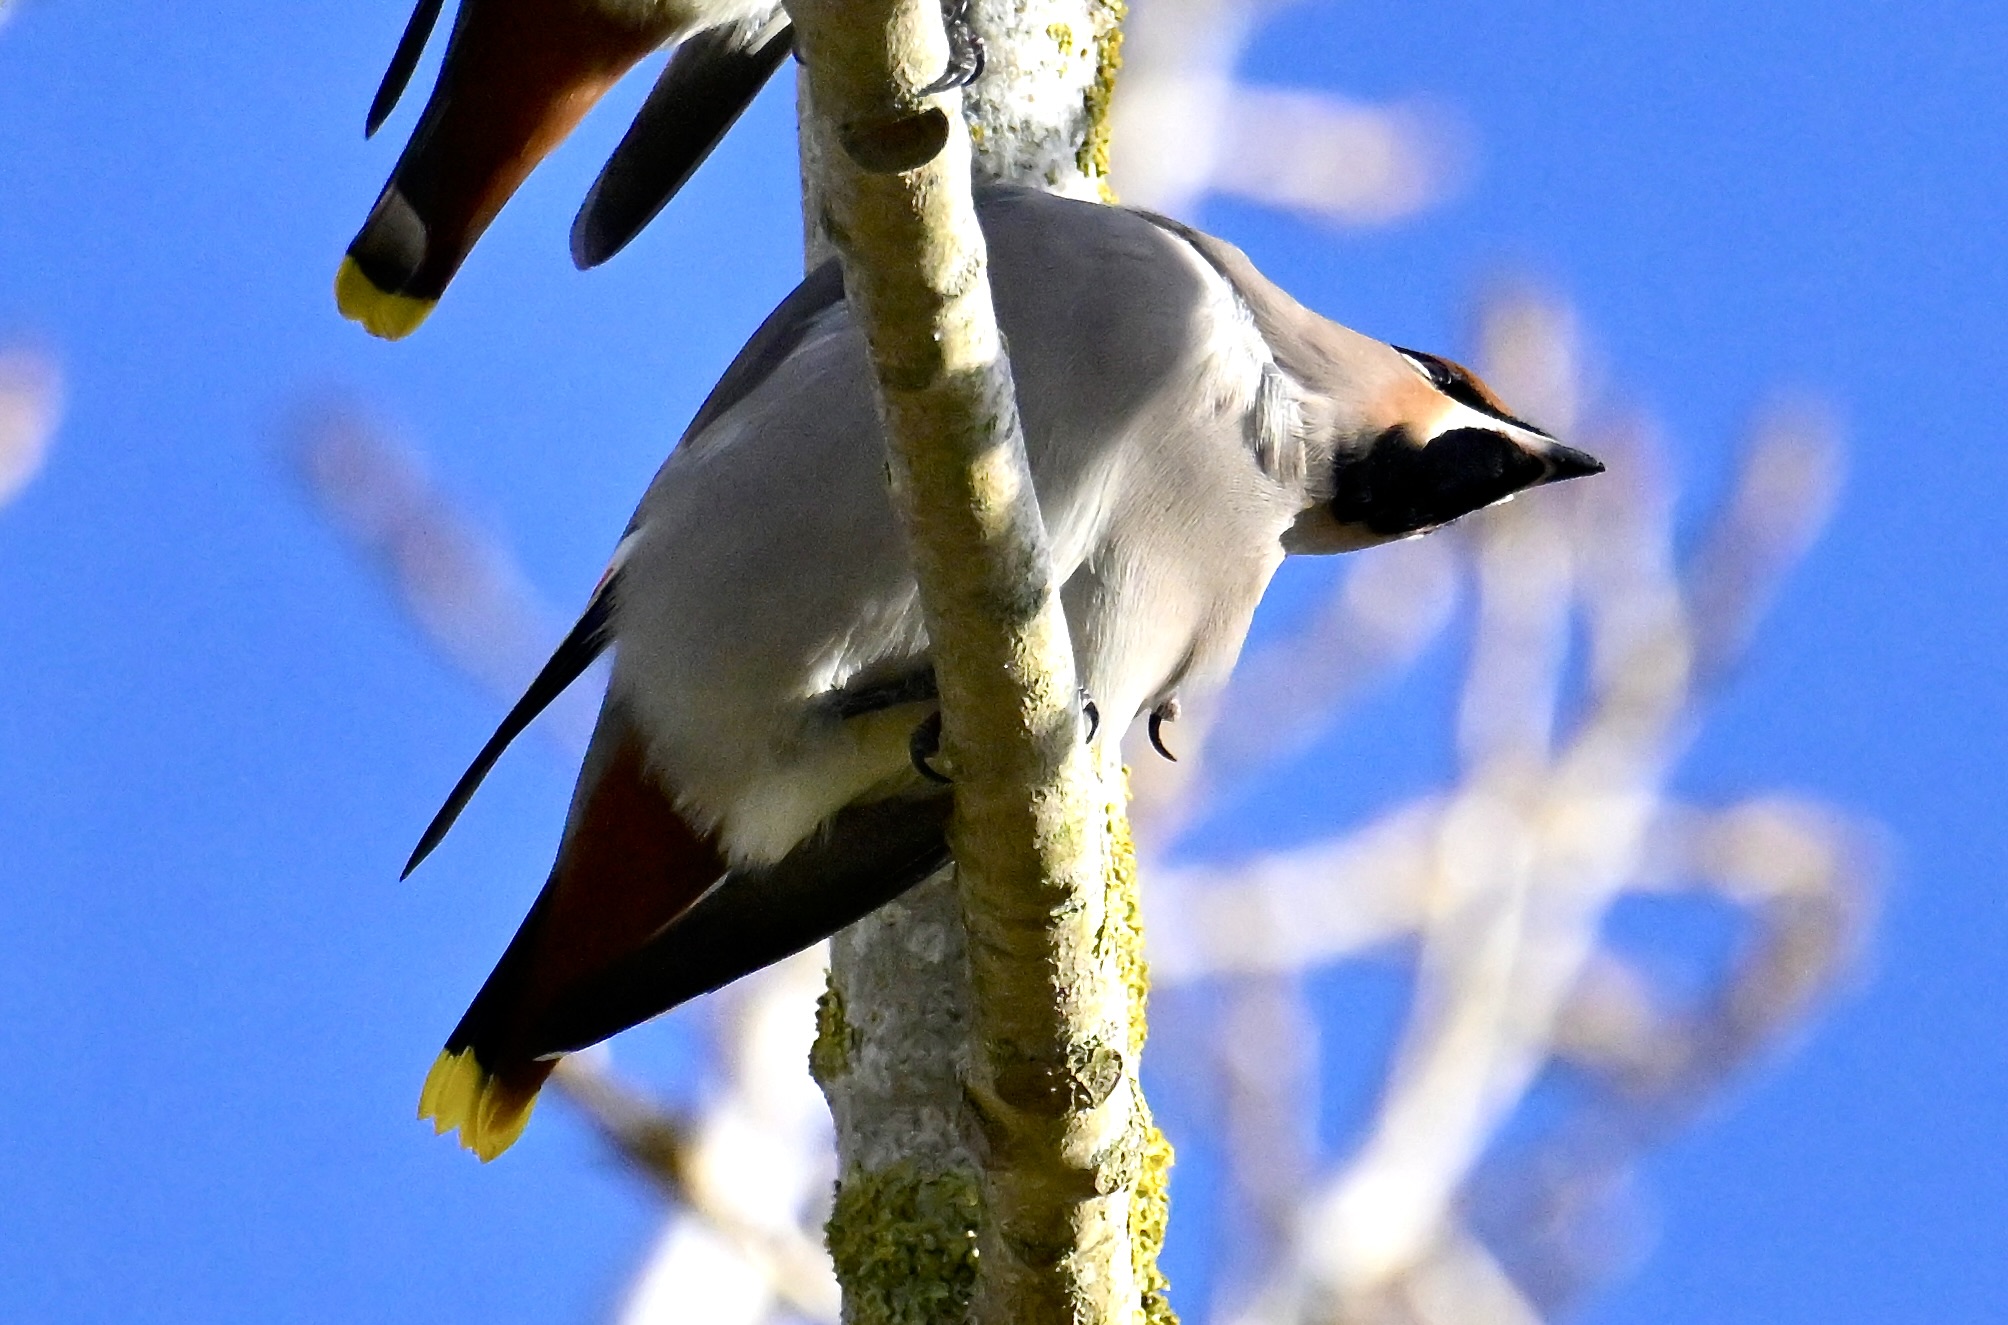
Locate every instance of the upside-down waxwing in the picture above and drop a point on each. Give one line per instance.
(518, 75)
(755, 783)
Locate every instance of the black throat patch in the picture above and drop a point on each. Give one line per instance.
(1398, 487)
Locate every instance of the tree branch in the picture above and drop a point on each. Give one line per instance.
(1050, 1087)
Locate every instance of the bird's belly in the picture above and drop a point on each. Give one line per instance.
(732, 686)
(760, 809)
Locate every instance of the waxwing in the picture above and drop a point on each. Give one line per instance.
(754, 783)
(517, 77)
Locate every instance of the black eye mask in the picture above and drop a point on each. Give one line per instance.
(1455, 381)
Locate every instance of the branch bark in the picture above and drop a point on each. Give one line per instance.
(979, 1046)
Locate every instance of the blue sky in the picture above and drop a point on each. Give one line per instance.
(218, 737)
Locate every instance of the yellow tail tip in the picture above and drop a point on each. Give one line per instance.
(391, 316)
(490, 1112)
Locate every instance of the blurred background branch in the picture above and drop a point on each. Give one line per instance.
(1186, 127)
(1585, 677)
(31, 409)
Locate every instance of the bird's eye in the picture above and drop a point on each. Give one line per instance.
(1433, 370)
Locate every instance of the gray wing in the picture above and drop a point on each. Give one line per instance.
(706, 86)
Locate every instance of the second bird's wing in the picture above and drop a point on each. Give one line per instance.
(709, 82)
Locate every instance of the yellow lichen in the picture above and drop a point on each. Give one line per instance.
(904, 1245)
(836, 1038)
(1150, 1198)
(1150, 1215)
(1126, 920)
(1093, 155)
(1063, 37)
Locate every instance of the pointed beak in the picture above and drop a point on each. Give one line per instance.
(1566, 462)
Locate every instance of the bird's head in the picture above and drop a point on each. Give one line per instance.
(1423, 442)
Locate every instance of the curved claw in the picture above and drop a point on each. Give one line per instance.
(965, 50)
(1163, 713)
(923, 745)
(1094, 716)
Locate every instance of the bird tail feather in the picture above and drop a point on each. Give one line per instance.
(516, 78)
(489, 1109)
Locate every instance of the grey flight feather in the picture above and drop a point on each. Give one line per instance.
(409, 48)
(708, 83)
(587, 639)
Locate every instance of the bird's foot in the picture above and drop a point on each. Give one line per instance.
(965, 50)
(924, 744)
(1163, 713)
